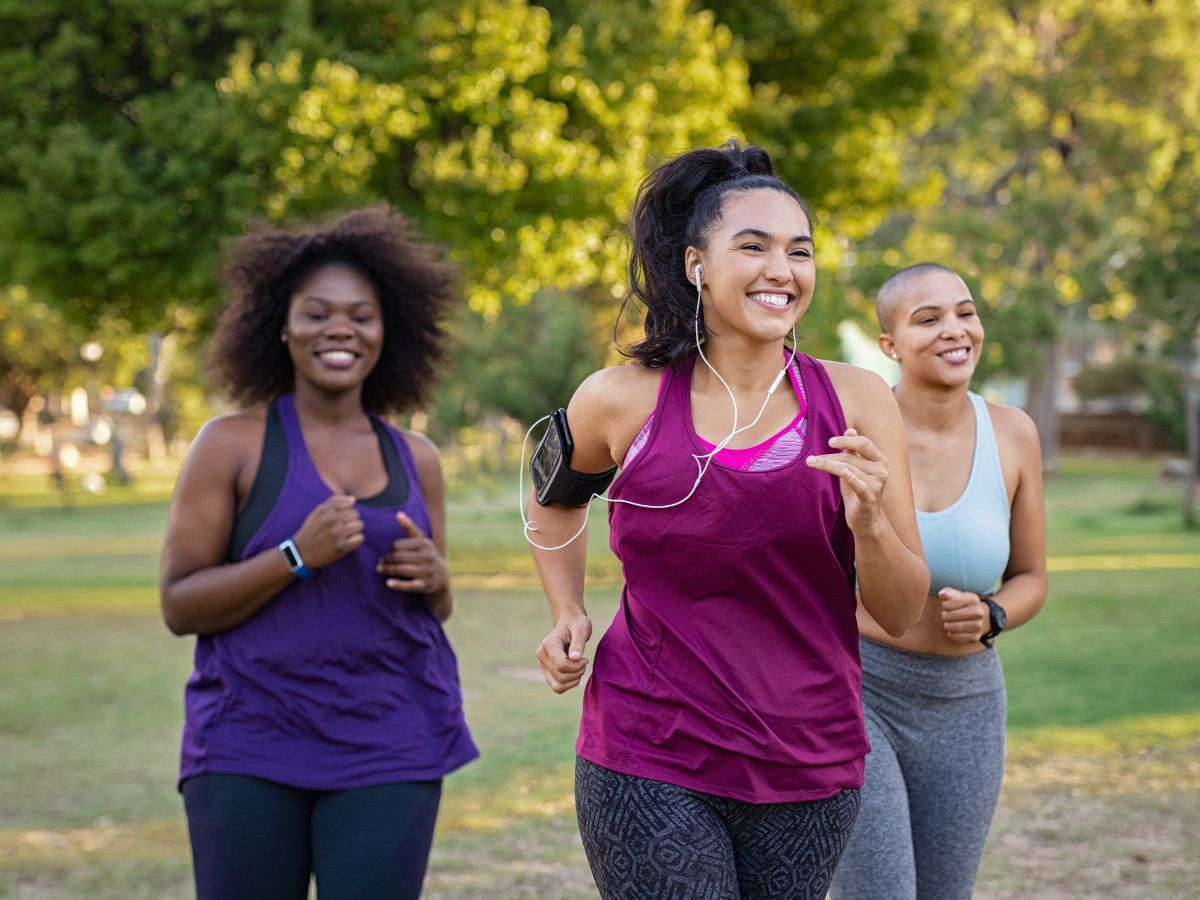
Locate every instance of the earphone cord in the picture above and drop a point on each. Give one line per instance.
(701, 468)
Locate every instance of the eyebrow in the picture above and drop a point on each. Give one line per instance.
(766, 236)
(934, 307)
(317, 298)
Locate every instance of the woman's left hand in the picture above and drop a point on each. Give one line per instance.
(414, 564)
(862, 471)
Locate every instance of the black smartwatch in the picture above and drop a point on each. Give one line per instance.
(553, 478)
(998, 620)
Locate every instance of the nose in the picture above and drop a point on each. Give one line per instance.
(777, 268)
(953, 328)
(339, 326)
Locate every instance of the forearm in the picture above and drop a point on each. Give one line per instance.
(1022, 597)
(440, 603)
(893, 581)
(561, 570)
(217, 598)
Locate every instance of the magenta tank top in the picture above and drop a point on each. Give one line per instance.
(732, 664)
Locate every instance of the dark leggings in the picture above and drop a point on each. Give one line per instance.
(648, 840)
(260, 840)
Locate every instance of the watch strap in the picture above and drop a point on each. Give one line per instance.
(995, 626)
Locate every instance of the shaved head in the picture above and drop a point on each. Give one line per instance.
(896, 290)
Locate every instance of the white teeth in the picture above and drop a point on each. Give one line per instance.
(960, 353)
(337, 355)
(771, 299)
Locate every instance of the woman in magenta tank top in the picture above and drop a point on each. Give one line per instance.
(306, 551)
(722, 741)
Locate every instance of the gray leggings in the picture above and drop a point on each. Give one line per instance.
(936, 725)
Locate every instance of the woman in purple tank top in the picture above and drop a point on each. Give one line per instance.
(306, 551)
(722, 741)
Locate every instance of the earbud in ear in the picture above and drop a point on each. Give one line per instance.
(696, 275)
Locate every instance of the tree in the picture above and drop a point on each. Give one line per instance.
(1061, 109)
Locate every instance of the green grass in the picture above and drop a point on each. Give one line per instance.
(1104, 696)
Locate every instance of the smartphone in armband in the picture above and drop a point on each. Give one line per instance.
(550, 467)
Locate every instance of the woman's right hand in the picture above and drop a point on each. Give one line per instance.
(560, 655)
(332, 530)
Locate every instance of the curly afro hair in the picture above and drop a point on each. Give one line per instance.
(265, 268)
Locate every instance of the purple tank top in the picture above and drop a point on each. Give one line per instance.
(337, 682)
(732, 664)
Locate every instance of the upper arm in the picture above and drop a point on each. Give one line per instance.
(204, 504)
(428, 464)
(871, 410)
(1018, 438)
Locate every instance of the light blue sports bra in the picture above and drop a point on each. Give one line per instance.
(966, 544)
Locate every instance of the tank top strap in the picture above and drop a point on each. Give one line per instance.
(302, 465)
(675, 396)
(987, 475)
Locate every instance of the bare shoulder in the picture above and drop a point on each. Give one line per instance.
(1015, 432)
(610, 390)
(862, 393)
(426, 456)
(1013, 425)
(608, 410)
(422, 448)
(615, 395)
(232, 436)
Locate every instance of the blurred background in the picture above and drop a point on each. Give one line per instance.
(1049, 151)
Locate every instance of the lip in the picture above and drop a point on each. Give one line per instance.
(755, 297)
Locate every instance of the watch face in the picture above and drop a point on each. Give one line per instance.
(1000, 616)
(289, 555)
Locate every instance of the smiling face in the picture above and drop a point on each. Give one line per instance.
(757, 266)
(935, 333)
(334, 328)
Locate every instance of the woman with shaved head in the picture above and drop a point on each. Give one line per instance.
(934, 697)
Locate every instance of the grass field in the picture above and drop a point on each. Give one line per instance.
(1102, 792)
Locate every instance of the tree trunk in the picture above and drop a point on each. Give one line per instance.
(161, 351)
(1191, 415)
(1042, 405)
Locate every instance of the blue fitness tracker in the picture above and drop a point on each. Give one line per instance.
(291, 556)
(553, 478)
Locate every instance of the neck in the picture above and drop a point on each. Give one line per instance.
(328, 408)
(931, 407)
(748, 368)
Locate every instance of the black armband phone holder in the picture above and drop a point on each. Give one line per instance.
(553, 478)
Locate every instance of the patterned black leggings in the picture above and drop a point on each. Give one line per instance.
(647, 840)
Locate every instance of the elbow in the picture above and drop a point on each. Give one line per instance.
(897, 629)
(904, 616)
(899, 625)
(176, 626)
(173, 618)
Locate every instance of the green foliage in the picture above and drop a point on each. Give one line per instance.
(40, 351)
(838, 89)
(523, 363)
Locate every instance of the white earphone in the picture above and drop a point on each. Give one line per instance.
(696, 273)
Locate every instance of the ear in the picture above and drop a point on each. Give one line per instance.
(887, 345)
(691, 259)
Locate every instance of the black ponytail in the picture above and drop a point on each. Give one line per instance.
(677, 206)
